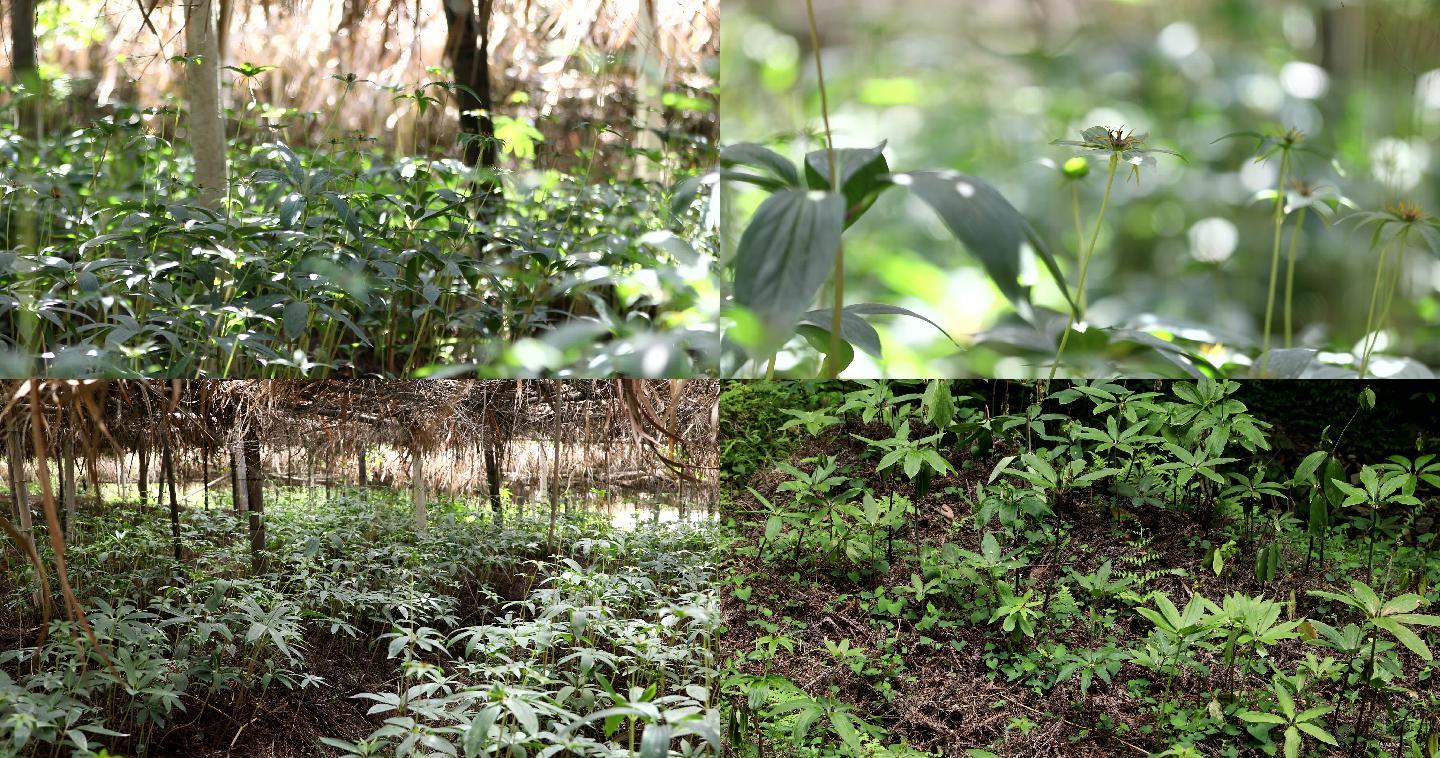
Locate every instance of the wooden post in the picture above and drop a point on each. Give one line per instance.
(205, 475)
(167, 465)
(144, 475)
(417, 491)
(555, 404)
(237, 477)
(254, 479)
(15, 456)
(67, 482)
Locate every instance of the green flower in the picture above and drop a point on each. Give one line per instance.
(1127, 147)
(1404, 216)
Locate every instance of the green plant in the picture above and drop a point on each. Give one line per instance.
(1119, 146)
(1373, 493)
(1394, 617)
(813, 421)
(1406, 219)
(1295, 721)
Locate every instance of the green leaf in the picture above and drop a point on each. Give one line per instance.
(1317, 733)
(846, 730)
(1256, 717)
(784, 256)
(1406, 637)
(989, 227)
(853, 329)
(863, 176)
(820, 342)
(881, 309)
(1308, 467)
(655, 741)
(761, 157)
(295, 319)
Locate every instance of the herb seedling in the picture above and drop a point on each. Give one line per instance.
(1121, 146)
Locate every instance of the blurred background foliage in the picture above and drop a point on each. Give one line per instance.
(984, 86)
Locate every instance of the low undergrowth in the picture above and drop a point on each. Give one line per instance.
(361, 638)
(342, 260)
(1105, 569)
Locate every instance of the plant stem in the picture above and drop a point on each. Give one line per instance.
(1079, 239)
(1370, 315)
(1274, 260)
(832, 364)
(1398, 271)
(1085, 265)
(1290, 271)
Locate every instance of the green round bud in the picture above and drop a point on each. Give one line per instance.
(1076, 168)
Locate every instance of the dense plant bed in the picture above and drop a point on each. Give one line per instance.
(361, 638)
(1105, 569)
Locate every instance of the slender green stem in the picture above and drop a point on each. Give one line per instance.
(1370, 315)
(1274, 260)
(832, 361)
(1397, 271)
(1290, 272)
(1085, 265)
(1079, 238)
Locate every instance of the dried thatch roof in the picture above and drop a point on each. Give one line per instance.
(334, 416)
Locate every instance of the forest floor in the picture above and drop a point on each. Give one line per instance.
(961, 684)
(357, 637)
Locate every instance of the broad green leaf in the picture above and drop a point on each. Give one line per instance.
(1406, 637)
(989, 227)
(655, 741)
(820, 342)
(775, 165)
(862, 172)
(881, 309)
(853, 329)
(1308, 467)
(784, 256)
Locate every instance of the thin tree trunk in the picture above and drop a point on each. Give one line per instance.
(360, 458)
(67, 482)
(237, 477)
(253, 476)
(417, 492)
(555, 474)
(15, 456)
(469, 36)
(205, 476)
(167, 465)
(24, 70)
(492, 477)
(144, 456)
(650, 83)
(207, 115)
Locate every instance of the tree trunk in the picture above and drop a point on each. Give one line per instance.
(649, 92)
(417, 492)
(469, 43)
(167, 465)
(360, 458)
(67, 483)
(253, 476)
(237, 477)
(555, 473)
(207, 114)
(205, 476)
(24, 70)
(15, 457)
(144, 456)
(492, 476)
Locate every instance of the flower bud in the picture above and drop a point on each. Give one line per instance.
(1076, 168)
